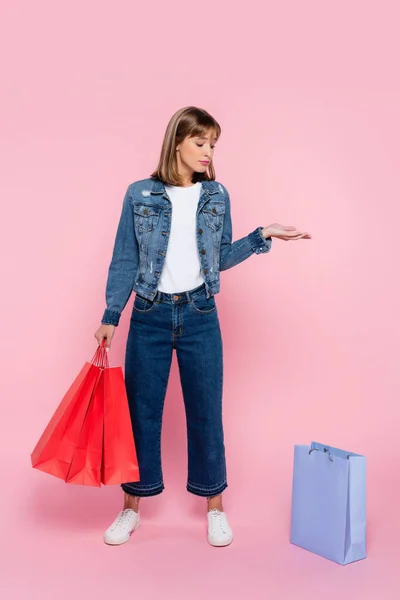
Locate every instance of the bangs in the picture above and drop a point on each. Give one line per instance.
(201, 129)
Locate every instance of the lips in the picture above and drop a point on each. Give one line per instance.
(205, 162)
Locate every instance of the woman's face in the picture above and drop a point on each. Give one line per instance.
(195, 153)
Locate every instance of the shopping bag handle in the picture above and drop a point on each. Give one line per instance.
(326, 451)
(100, 358)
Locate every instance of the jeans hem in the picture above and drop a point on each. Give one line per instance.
(206, 491)
(142, 492)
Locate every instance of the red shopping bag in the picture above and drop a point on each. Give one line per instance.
(119, 463)
(55, 449)
(85, 466)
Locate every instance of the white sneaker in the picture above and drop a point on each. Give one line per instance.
(219, 532)
(121, 529)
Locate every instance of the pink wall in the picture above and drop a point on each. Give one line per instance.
(308, 98)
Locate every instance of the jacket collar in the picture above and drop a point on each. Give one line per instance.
(210, 187)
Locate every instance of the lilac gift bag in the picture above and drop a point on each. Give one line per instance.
(328, 514)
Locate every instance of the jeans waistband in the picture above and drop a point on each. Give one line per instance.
(180, 296)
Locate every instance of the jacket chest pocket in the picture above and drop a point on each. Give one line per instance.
(214, 214)
(146, 217)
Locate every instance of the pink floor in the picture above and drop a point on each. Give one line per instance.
(52, 546)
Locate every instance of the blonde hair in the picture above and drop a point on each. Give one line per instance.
(188, 121)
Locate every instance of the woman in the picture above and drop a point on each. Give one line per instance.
(173, 239)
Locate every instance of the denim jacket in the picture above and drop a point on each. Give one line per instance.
(142, 239)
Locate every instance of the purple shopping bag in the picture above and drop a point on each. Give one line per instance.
(328, 515)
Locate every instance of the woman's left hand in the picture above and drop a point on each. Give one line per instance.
(285, 232)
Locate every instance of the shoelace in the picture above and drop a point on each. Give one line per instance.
(216, 519)
(122, 518)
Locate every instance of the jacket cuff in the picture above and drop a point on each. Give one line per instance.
(111, 317)
(258, 242)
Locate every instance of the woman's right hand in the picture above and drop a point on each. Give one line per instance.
(105, 332)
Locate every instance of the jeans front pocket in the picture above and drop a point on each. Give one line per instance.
(201, 304)
(143, 305)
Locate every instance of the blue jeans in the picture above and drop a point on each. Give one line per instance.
(187, 322)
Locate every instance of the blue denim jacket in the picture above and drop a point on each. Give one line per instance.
(142, 239)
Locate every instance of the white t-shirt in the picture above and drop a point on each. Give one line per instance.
(182, 267)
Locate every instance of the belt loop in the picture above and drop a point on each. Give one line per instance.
(188, 296)
(157, 297)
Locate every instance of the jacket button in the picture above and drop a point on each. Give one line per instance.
(200, 231)
(214, 210)
(205, 271)
(203, 251)
(146, 212)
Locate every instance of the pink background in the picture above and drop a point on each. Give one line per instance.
(307, 95)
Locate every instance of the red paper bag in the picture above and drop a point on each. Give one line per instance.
(120, 463)
(54, 451)
(85, 467)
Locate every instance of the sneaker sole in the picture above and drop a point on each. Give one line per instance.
(122, 540)
(219, 544)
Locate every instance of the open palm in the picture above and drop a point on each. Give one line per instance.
(285, 232)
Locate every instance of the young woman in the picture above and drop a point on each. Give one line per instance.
(173, 239)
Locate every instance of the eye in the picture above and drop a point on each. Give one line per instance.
(200, 145)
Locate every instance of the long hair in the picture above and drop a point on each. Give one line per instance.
(188, 121)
